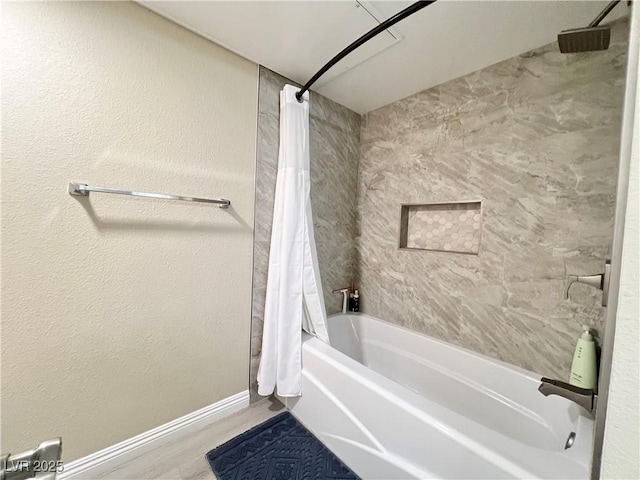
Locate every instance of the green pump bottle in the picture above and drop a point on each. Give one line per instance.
(583, 368)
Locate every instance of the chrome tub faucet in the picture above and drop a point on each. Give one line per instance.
(585, 397)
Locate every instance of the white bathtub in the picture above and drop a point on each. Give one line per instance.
(395, 404)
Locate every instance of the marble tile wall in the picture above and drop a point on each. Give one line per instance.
(334, 138)
(536, 137)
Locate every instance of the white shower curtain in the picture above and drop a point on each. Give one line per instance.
(294, 292)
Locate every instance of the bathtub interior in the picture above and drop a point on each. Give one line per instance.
(498, 396)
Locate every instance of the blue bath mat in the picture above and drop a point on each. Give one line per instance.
(278, 449)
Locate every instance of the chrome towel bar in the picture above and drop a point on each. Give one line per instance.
(82, 189)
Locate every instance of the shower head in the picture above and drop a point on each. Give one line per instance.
(584, 39)
(590, 38)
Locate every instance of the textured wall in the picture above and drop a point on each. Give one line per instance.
(334, 148)
(120, 314)
(536, 137)
(621, 450)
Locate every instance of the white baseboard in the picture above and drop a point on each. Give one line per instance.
(111, 457)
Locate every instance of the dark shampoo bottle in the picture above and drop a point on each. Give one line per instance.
(355, 302)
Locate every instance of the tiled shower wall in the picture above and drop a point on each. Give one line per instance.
(334, 136)
(536, 138)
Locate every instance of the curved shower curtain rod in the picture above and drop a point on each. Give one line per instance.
(410, 10)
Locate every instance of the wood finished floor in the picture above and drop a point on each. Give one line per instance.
(183, 458)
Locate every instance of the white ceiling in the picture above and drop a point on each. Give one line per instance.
(443, 41)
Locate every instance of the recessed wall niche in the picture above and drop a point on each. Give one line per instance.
(442, 227)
